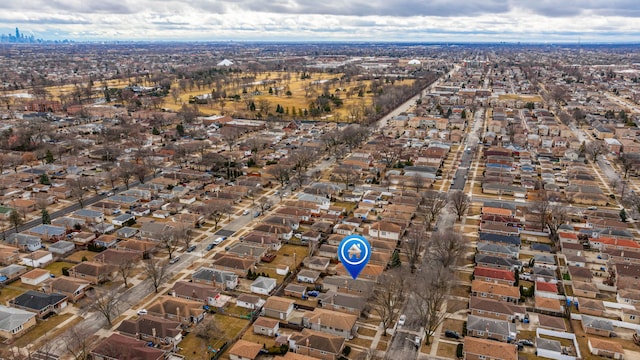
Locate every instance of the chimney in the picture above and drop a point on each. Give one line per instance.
(178, 312)
(153, 332)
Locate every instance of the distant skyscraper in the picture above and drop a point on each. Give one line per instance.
(17, 33)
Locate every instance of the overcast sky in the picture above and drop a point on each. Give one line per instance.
(327, 20)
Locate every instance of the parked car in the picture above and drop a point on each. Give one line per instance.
(402, 320)
(417, 341)
(219, 240)
(191, 248)
(174, 260)
(313, 293)
(452, 334)
(210, 246)
(142, 312)
(245, 212)
(525, 342)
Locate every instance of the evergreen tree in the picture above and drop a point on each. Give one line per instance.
(155, 131)
(395, 259)
(49, 157)
(44, 179)
(180, 129)
(46, 218)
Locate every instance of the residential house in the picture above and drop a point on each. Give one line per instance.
(500, 276)
(605, 348)
(552, 322)
(15, 322)
(244, 350)
(250, 302)
(590, 306)
(483, 349)
(278, 307)
(628, 296)
(73, 288)
(631, 315)
(39, 302)
(295, 290)
(35, 277)
(263, 285)
(94, 272)
(225, 280)
(38, 258)
(308, 276)
(8, 254)
(627, 276)
(156, 231)
(487, 248)
(24, 242)
(239, 266)
(483, 327)
(495, 291)
(179, 309)
(597, 326)
(342, 302)
(497, 262)
(12, 272)
(580, 274)
(316, 263)
(548, 306)
(496, 309)
(123, 347)
(348, 285)
(317, 344)
(331, 322)
(196, 291)
(266, 326)
(386, 230)
(154, 329)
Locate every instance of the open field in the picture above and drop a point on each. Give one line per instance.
(520, 97)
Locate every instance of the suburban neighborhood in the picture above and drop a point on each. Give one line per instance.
(194, 211)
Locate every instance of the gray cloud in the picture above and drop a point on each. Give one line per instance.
(303, 19)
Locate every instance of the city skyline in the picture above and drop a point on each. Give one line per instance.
(302, 20)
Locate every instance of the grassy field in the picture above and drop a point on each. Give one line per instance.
(55, 268)
(77, 256)
(446, 350)
(519, 97)
(193, 347)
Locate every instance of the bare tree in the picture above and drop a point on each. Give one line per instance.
(299, 178)
(303, 157)
(430, 292)
(414, 242)
(215, 210)
(265, 205)
(106, 303)
(446, 247)
(460, 202)
(126, 267)
(157, 272)
(78, 187)
(126, 173)
(557, 216)
(141, 171)
(168, 241)
(388, 296)
(346, 175)
(182, 232)
(417, 181)
(280, 172)
(594, 149)
(431, 205)
(76, 341)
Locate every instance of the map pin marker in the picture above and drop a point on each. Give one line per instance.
(354, 252)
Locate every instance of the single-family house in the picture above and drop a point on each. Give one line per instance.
(331, 322)
(244, 350)
(278, 307)
(251, 302)
(39, 302)
(123, 347)
(308, 276)
(482, 327)
(15, 322)
(342, 302)
(605, 348)
(597, 326)
(266, 326)
(263, 285)
(38, 258)
(483, 349)
(35, 277)
(153, 329)
(196, 291)
(226, 280)
(73, 288)
(179, 309)
(317, 344)
(94, 272)
(496, 309)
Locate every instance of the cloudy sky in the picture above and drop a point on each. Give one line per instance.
(326, 20)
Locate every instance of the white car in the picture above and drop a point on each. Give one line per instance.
(142, 312)
(219, 240)
(402, 320)
(245, 212)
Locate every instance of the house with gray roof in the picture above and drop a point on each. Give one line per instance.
(15, 322)
(62, 247)
(487, 328)
(597, 326)
(226, 280)
(24, 242)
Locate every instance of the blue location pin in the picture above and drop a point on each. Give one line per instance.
(354, 252)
